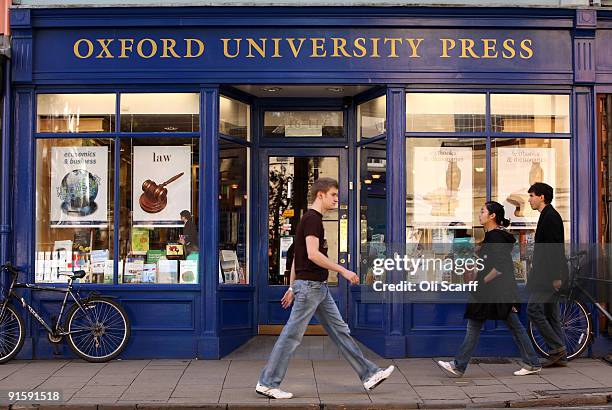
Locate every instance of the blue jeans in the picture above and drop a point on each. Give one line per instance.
(313, 298)
(543, 312)
(519, 334)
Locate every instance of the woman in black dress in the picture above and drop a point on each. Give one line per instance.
(496, 295)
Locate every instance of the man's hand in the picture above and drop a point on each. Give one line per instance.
(287, 299)
(352, 277)
(557, 284)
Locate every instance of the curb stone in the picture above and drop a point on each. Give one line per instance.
(564, 400)
(568, 400)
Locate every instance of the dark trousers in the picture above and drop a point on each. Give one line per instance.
(543, 312)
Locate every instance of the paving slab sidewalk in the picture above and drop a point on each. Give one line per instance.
(317, 384)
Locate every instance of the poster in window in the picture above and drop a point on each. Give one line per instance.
(161, 185)
(442, 186)
(517, 170)
(79, 186)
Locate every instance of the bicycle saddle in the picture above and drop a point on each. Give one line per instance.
(78, 274)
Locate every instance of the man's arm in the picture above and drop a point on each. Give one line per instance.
(312, 247)
(288, 296)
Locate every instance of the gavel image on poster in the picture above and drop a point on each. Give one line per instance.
(154, 197)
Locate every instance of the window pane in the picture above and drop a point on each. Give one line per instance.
(74, 209)
(233, 213)
(158, 237)
(304, 124)
(289, 180)
(530, 113)
(437, 112)
(167, 112)
(372, 206)
(75, 112)
(372, 117)
(234, 118)
(517, 164)
(446, 186)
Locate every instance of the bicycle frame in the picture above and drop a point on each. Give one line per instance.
(53, 329)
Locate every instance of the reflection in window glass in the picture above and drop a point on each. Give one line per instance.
(75, 112)
(290, 179)
(303, 124)
(234, 118)
(158, 238)
(233, 213)
(530, 113)
(371, 117)
(438, 112)
(372, 207)
(74, 209)
(167, 112)
(446, 187)
(517, 164)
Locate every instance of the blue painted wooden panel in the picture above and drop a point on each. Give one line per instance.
(369, 316)
(236, 313)
(160, 314)
(425, 316)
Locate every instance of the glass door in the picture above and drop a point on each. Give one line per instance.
(284, 199)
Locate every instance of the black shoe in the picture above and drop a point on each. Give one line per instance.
(554, 359)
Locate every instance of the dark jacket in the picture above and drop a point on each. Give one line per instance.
(191, 236)
(549, 262)
(494, 300)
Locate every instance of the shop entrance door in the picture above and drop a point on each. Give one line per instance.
(286, 176)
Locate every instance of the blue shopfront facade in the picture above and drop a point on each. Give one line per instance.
(217, 53)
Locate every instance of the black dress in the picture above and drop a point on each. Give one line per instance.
(494, 300)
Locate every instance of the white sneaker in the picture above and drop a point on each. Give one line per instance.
(450, 368)
(524, 371)
(378, 377)
(272, 393)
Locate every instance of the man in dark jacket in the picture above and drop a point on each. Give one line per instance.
(548, 272)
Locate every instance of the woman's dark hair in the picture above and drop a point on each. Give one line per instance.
(497, 209)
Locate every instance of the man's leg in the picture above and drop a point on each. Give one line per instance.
(339, 332)
(472, 335)
(553, 314)
(304, 306)
(536, 311)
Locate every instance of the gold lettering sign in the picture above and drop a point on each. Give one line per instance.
(306, 47)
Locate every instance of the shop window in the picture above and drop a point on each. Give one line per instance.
(304, 124)
(372, 117)
(74, 209)
(372, 206)
(159, 225)
(446, 187)
(167, 112)
(75, 113)
(233, 213)
(530, 113)
(517, 164)
(439, 112)
(234, 118)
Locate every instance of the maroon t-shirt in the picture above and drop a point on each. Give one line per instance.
(311, 224)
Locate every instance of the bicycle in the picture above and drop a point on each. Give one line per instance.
(575, 317)
(97, 328)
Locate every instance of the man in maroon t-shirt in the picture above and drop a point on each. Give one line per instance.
(308, 286)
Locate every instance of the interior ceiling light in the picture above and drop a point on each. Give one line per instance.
(272, 89)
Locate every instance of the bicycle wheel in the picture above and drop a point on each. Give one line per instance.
(577, 325)
(12, 333)
(100, 331)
